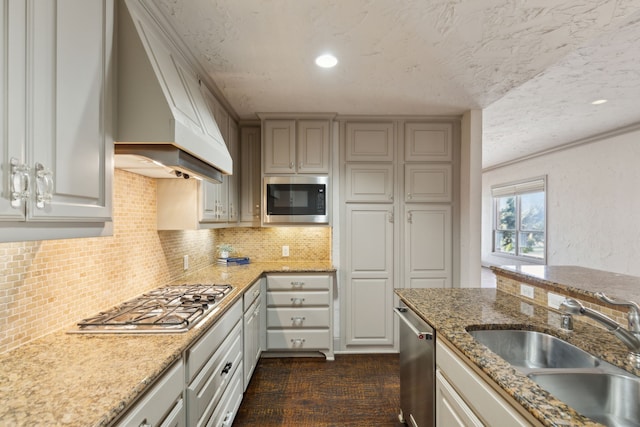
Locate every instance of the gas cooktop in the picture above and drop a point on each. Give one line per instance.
(169, 309)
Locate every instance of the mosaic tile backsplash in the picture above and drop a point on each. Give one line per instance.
(48, 285)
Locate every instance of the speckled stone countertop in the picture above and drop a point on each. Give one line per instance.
(579, 282)
(454, 311)
(89, 380)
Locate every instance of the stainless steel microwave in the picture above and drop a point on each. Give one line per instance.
(295, 200)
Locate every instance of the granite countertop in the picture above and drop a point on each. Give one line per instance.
(579, 282)
(452, 311)
(90, 379)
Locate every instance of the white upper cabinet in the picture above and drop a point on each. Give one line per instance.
(428, 182)
(56, 70)
(428, 142)
(369, 142)
(250, 175)
(300, 146)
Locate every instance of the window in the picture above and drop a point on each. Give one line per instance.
(519, 227)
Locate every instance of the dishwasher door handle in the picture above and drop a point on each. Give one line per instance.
(421, 335)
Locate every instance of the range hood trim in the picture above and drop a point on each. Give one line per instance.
(173, 158)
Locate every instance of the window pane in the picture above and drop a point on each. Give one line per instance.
(505, 242)
(506, 218)
(531, 244)
(532, 212)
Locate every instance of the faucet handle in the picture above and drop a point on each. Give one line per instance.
(634, 310)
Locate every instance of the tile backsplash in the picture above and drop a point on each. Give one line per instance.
(48, 285)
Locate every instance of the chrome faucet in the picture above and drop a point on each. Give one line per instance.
(630, 337)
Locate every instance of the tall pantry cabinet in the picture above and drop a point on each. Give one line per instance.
(398, 206)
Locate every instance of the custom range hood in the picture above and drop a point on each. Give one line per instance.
(166, 126)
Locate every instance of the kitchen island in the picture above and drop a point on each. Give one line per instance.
(454, 311)
(92, 379)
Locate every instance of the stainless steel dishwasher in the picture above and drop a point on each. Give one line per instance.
(417, 369)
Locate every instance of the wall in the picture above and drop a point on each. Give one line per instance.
(593, 203)
(49, 285)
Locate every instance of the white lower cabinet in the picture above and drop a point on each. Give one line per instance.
(213, 364)
(299, 313)
(463, 398)
(253, 327)
(163, 405)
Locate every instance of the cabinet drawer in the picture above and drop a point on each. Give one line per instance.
(207, 388)
(161, 402)
(230, 403)
(310, 317)
(201, 351)
(251, 294)
(298, 339)
(297, 299)
(298, 282)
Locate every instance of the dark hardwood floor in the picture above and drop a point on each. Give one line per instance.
(353, 390)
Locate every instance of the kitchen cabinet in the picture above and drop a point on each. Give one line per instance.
(296, 146)
(57, 145)
(219, 201)
(253, 329)
(428, 241)
(464, 398)
(250, 175)
(300, 313)
(396, 166)
(213, 369)
(428, 142)
(427, 183)
(369, 141)
(369, 230)
(162, 405)
(369, 182)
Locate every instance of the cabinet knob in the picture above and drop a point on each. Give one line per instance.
(297, 301)
(297, 321)
(409, 196)
(291, 165)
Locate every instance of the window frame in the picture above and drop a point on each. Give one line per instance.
(517, 189)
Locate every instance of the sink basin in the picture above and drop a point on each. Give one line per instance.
(534, 350)
(610, 399)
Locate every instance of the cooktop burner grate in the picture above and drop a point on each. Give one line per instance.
(169, 309)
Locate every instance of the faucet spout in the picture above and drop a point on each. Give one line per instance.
(629, 338)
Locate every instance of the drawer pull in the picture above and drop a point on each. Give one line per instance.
(297, 342)
(144, 423)
(297, 321)
(226, 368)
(297, 284)
(227, 419)
(297, 301)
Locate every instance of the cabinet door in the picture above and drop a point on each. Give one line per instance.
(12, 111)
(369, 292)
(215, 197)
(313, 146)
(279, 146)
(427, 183)
(250, 175)
(369, 182)
(451, 409)
(233, 180)
(252, 349)
(369, 142)
(428, 142)
(69, 58)
(427, 251)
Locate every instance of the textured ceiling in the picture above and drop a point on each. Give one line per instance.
(533, 66)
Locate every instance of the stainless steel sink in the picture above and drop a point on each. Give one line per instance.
(534, 350)
(610, 399)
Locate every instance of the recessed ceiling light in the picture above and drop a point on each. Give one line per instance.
(326, 61)
(599, 101)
